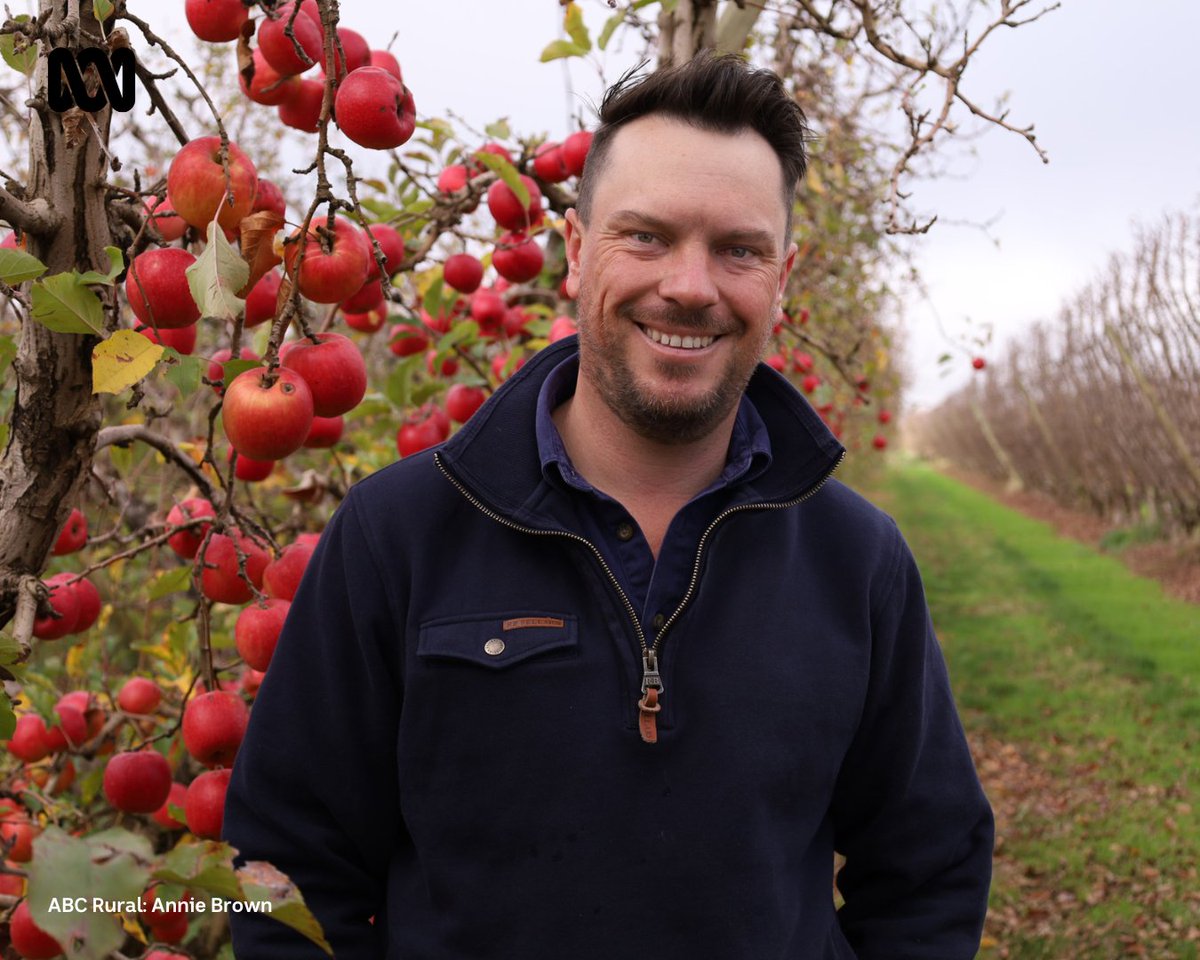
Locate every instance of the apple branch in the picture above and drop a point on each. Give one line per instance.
(35, 216)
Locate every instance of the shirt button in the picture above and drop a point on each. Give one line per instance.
(658, 621)
(625, 531)
(494, 647)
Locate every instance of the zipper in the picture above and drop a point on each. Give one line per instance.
(652, 685)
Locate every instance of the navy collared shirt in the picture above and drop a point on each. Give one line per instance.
(653, 588)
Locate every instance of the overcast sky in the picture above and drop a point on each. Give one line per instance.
(1107, 83)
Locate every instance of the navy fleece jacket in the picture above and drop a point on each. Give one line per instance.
(447, 738)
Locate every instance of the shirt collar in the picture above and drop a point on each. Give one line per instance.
(748, 456)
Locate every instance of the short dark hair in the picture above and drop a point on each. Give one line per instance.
(721, 93)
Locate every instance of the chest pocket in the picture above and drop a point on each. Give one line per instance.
(496, 641)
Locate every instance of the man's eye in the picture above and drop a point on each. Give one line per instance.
(643, 237)
(740, 253)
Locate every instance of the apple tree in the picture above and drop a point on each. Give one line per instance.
(224, 307)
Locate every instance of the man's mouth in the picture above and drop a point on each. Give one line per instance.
(688, 342)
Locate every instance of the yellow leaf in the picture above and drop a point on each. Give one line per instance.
(122, 360)
(814, 182)
(74, 656)
(134, 929)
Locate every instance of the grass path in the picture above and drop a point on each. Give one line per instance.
(1079, 685)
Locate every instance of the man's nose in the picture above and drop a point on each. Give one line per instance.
(688, 277)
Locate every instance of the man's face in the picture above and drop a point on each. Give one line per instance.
(686, 247)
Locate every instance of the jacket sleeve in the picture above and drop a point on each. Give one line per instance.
(909, 813)
(314, 787)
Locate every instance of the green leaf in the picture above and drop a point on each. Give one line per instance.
(9, 648)
(8, 353)
(264, 884)
(8, 720)
(64, 304)
(103, 9)
(22, 61)
(464, 330)
(559, 49)
(216, 277)
(17, 266)
(170, 581)
(381, 208)
(945, 358)
(202, 865)
(116, 265)
(122, 360)
(185, 372)
(499, 129)
(398, 387)
(610, 27)
(433, 298)
(576, 28)
(506, 172)
(232, 368)
(111, 866)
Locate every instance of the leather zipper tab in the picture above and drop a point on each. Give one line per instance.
(648, 706)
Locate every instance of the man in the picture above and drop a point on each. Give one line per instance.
(614, 672)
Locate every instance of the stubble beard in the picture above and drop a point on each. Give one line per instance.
(662, 419)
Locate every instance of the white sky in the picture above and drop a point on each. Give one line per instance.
(1106, 82)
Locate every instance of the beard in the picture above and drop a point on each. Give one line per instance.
(659, 415)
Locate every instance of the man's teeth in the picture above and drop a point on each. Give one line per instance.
(674, 340)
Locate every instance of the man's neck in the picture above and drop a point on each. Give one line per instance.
(637, 472)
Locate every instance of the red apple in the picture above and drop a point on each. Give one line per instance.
(463, 272)
(979, 363)
(357, 50)
(196, 184)
(260, 301)
(334, 370)
(374, 109)
(277, 47)
(186, 542)
(28, 741)
(367, 322)
(87, 598)
(462, 401)
(164, 220)
(220, 579)
(449, 364)
(157, 288)
(302, 110)
(73, 535)
(407, 339)
(137, 781)
(335, 265)
(885, 416)
(257, 630)
(216, 21)
(452, 178)
(282, 576)
(249, 469)
(370, 296)
(549, 164)
(204, 804)
(517, 258)
(488, 309)
(139, 695)
(28, 939)
(216, 369)
(562, 327)
(325, 432)
(265, 84)
(267, 416)
(496, 149)
(65, 606)
(213, 726)
(268, 197)
(180, 339)
(421, 430)
(506, 208)
(500, 361)
(810, 383)
(575, 150)
(384, 60)
(162, 815)
(391, 243)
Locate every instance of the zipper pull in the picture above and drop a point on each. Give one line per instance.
(648, 706)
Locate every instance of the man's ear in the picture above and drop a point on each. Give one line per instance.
(573, 235)
(789, 261)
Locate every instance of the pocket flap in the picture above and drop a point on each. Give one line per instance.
(497, 640)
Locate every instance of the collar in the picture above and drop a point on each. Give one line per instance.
(496, 453)
(748, 456)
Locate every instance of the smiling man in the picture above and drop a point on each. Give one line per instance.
(615, 671)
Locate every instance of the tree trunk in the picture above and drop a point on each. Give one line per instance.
(55, 415)
(686, 30)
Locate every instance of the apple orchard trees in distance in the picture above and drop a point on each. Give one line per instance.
(198, 359)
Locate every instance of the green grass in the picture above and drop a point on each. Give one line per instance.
(1094, 675)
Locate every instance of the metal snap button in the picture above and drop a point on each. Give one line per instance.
(494, 647)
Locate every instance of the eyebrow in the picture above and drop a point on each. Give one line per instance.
(747, 236)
